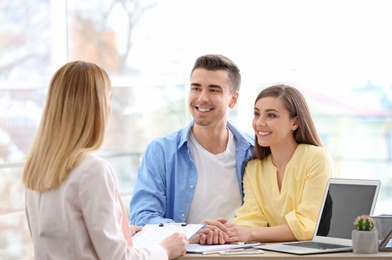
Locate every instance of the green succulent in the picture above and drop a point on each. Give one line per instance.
(364, 223)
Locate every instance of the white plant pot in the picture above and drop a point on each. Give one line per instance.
(365, 242)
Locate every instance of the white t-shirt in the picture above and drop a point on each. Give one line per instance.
(217, 191)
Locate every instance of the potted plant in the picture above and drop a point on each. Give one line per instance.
(364, 236)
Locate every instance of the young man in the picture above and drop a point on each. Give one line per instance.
(196, 173)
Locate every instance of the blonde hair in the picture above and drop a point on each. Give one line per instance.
(73, 124)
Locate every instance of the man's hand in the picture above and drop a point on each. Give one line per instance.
(215, 232)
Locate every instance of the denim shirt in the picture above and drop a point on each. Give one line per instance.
(167, 177)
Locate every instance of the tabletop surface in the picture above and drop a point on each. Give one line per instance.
(282, 256)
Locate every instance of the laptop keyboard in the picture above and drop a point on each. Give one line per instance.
(317, 245)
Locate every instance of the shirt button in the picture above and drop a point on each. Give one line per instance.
(183, 215)
(191, 186)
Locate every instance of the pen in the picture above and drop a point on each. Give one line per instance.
(218, 252)
(173, 224)
(210, 252)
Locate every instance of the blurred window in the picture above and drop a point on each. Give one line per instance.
(336, 52)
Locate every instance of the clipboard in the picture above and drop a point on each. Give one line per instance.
(152, 234)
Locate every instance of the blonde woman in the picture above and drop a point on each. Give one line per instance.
(73, 207)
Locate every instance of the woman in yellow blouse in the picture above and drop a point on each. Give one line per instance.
(285, 182)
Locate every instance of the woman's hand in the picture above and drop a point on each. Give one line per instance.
(217, 223)
(133, 229)
(238, 233)
(214, 233)
(175, 245)
(206, 236)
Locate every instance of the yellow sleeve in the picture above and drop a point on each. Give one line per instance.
(250, 213)
(316, 171)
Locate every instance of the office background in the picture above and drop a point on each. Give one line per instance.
(337, 52)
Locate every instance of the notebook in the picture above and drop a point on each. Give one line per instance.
(344, 200)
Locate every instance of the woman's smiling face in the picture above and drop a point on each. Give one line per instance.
(272, 123)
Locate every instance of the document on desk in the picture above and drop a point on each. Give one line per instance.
(206, 249)
(154, 234)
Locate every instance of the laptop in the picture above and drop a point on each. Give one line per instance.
(344, 200)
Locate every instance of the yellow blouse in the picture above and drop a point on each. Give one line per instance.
(299, 201)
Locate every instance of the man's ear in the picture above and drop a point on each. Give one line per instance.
(234, 98)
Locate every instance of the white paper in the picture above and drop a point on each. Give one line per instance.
(154, 234)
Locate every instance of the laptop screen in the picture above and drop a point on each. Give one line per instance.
(344, 202)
